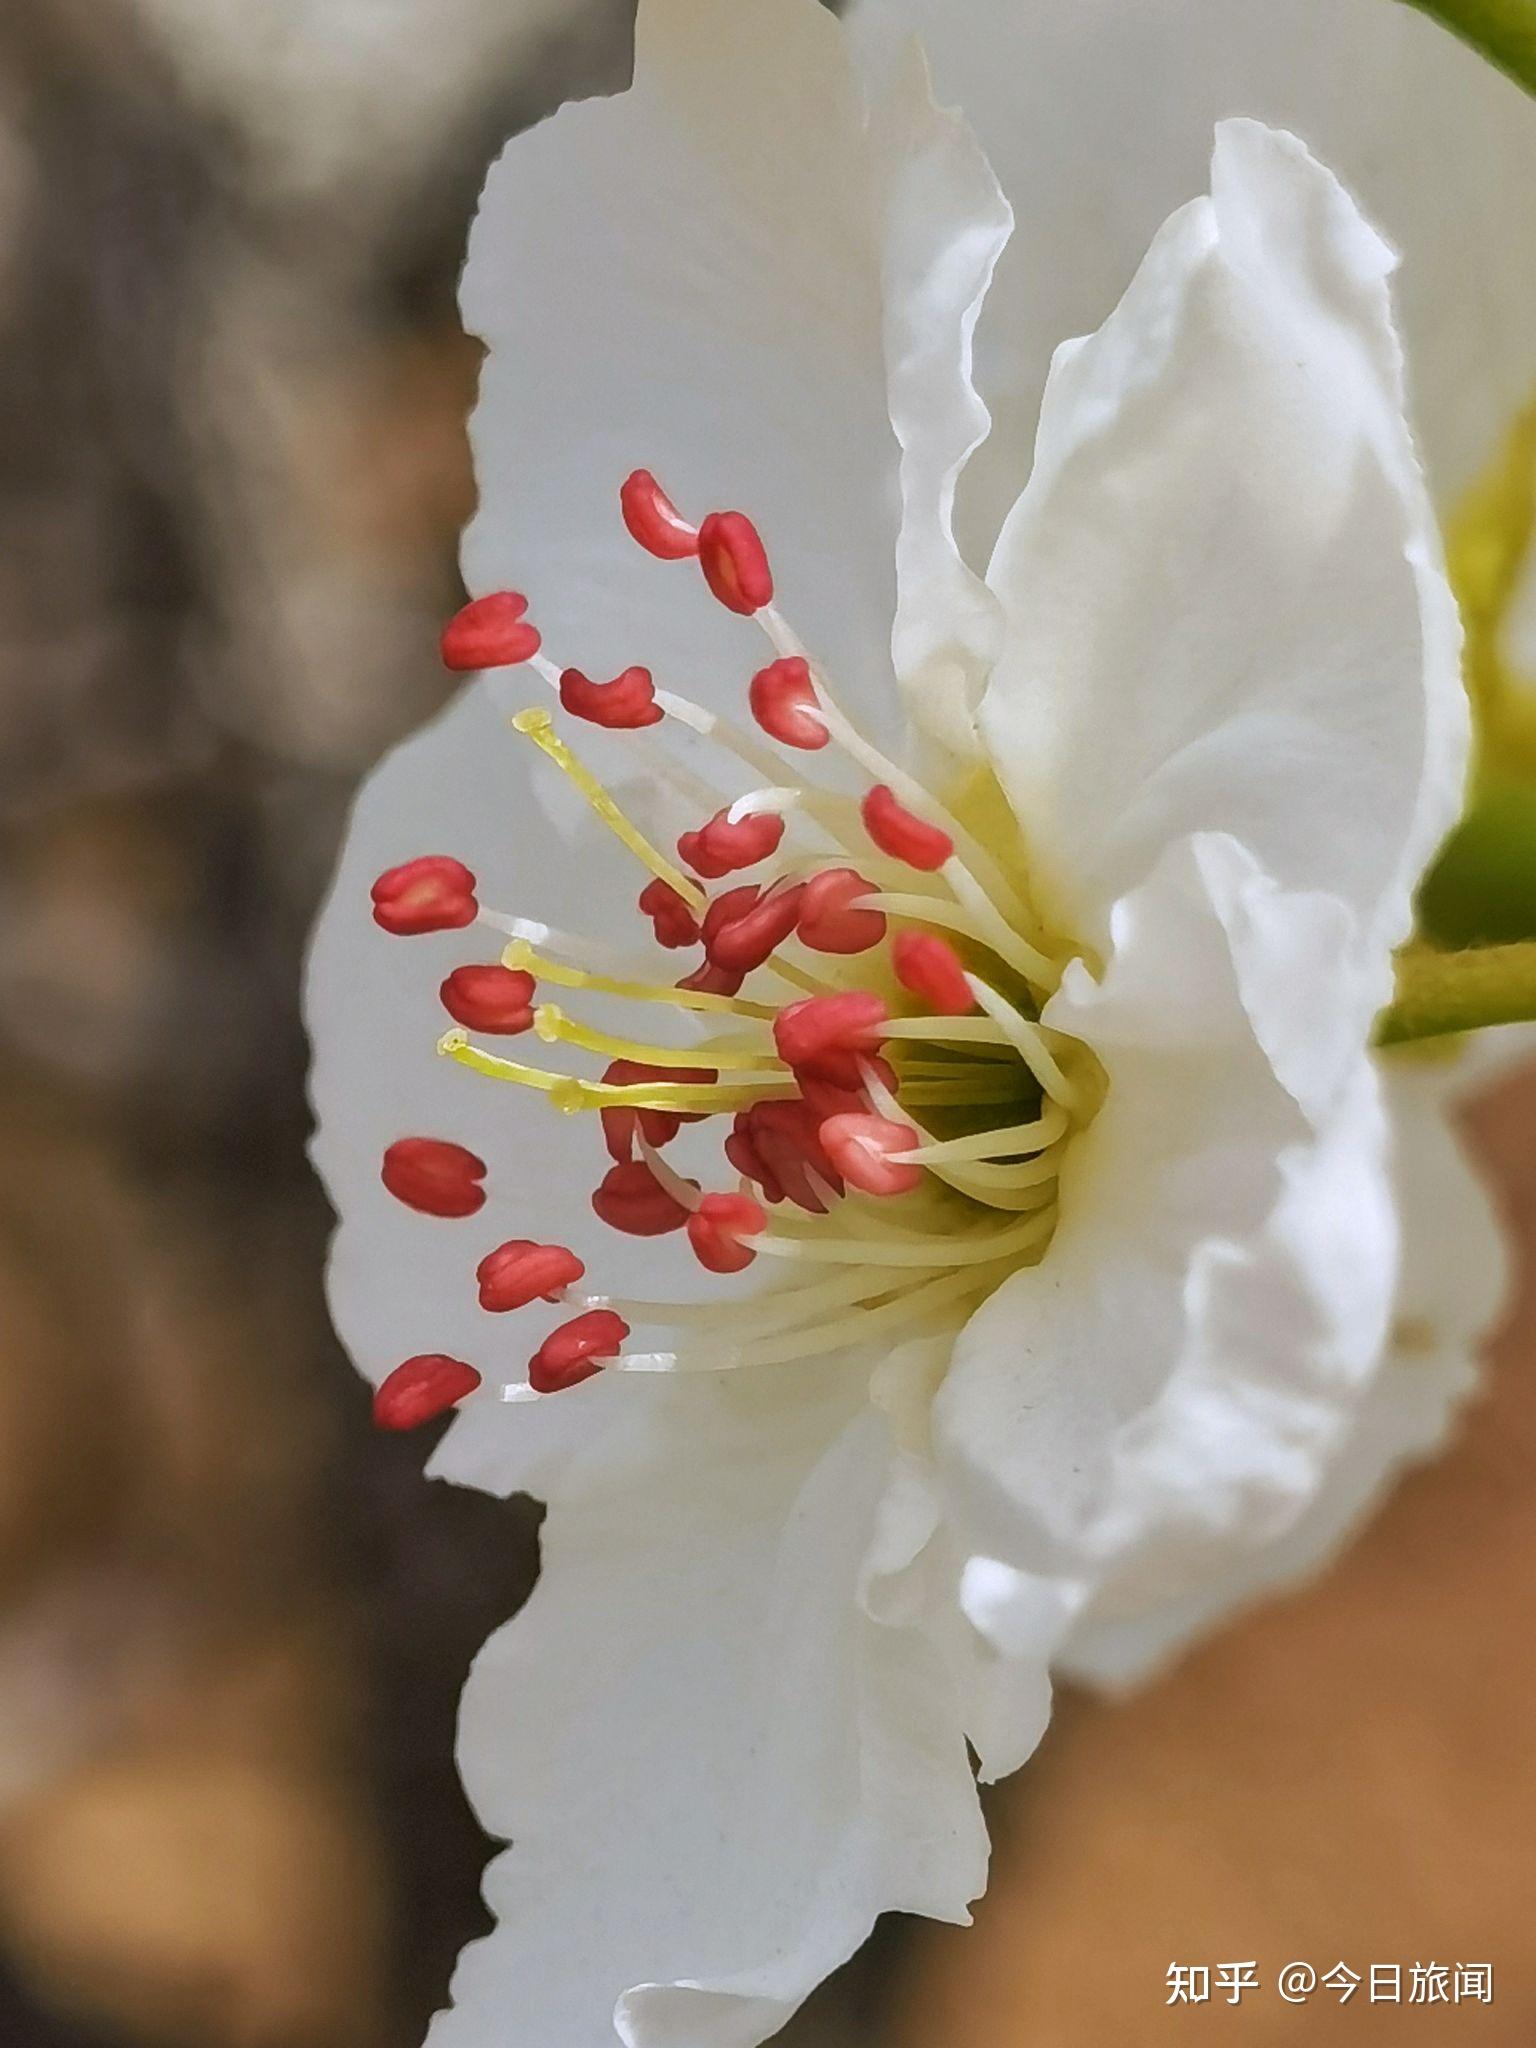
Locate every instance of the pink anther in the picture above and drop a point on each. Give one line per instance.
(654, 521)
(421, 1389)
(490, 632)
(861, 1147)
(735, 562)
(784, 704)
(716, 1228)
(434, 1176)
(576, 1350)
(896, 831)
(434, 893)
(931, 968)
(623, 705)
(521, 1271)
(497, 1000)
(830, 921)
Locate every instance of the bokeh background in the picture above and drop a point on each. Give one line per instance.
(233, 1621)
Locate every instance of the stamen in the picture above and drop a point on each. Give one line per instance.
(433, 893)
(904, 837)
(727, 843)
(520, 1271)
(1035, 1136)
(832, 916)
(555, 1028)
(631, 1198)
(735, 563)
(824, 1033)
(453, 1045)
(576, 1350)
(623, 705)
(622, 1126)
(868, 1151)
(421, 1389)
(672, 921)
(749, 937)
(434, 1176)
(494, 999)
(718, 1230)
(1030, 1041)
(521, 954)
(911, 1306)
(537, 725)
(985, 928)
(932, 1249)
(931, 968)
(490, 632)
(784, 704)
(654, 521)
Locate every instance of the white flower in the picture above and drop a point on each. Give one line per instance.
(1184, 751)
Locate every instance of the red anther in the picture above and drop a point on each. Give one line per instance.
(716, 1228)
(434, 893)
(829, 920)
(434, 1176)
(735, 562)
(860, 1147)
(784, 704)
(720, 847)
(931, 968)
(673, 922)
(658, 1127)
(422, 1389)
(778, 1145)
(494, 999)
(654, 521)
(712, 980)
(848, 1091)
(725, 909)
(746, 941)
(904, 837)
(630, 1198)
(490, 632)
(823, 1033)
(521, 1271)
(625, 703)
(576, 1351)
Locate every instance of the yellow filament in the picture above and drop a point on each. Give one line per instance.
(572, 1095)
(555, 1028)
(935, 1250)
(520, 954)
(537, 725)
(1028, 1037)
(453, 1045)
(1050, 1125)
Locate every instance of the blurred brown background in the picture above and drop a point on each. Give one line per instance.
(233, 1622)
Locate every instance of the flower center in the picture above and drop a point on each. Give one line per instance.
(863, 1018)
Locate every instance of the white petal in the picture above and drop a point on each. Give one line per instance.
(1455, 1276)
(1095, 118)
(1226, 609)
(714, 1767)
(708, 277)
(944, 225)
(1176, 1373)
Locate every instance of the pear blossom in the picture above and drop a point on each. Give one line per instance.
(991, 1233)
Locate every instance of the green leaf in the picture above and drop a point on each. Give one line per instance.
(1503, 31)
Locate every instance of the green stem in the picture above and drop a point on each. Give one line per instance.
(1439, 993)
(1503, 31)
